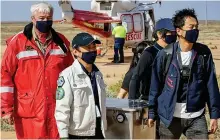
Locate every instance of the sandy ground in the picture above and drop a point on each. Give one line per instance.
(7, 135)
(114, 72)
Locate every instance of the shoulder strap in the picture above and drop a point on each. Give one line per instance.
(168, 58)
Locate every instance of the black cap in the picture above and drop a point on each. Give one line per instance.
(83, 39)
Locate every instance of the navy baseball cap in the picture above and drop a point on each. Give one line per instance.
(83, 39)
(165, 23)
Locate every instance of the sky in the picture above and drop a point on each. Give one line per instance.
(20, 10)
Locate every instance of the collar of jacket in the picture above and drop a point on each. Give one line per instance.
(94, 69)
(157, 46)
(80, 71)
(55, 37)
(178, 49)
(37, 38)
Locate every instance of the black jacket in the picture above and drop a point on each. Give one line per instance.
(140, 81)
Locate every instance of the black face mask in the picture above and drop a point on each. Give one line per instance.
(170, 39)
(192, 35)
(89, 57)
(44, 26)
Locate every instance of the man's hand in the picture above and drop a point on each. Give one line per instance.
(120, 95)
(150, 122)
(9, 119)
(213, 125)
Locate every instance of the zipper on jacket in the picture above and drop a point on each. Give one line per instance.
(90, 86)
(189, 82)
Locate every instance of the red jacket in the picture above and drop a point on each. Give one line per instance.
(29, 81)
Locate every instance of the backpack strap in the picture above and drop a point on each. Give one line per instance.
(167, 59)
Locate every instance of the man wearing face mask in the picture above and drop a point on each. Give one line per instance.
(80, 107)
(30, 68)
(189, 83)
(164, 34)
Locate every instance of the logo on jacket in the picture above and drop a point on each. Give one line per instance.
(60, 81)
(29, 48)
(60, 93)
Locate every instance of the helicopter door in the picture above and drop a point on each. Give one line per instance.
(127, 22)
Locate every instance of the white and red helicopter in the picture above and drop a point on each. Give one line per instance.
(138, 18)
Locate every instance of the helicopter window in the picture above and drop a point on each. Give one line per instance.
(138, 22)
(127, 18)
(105, 6)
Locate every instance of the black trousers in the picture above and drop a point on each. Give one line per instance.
(121, 53)
(98, 132)
(195, 128)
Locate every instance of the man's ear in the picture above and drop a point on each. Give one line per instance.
(159, 35)
(178, 31)
(33, 19)
(74, 52)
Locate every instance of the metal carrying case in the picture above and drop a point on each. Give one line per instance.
(127, 119)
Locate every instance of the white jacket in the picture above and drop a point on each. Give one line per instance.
(75, 105)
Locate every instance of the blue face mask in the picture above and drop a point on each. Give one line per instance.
(89, 57)
(192, 35)
(44, 26)
(170, 39)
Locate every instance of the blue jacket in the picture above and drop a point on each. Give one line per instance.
(202, 89)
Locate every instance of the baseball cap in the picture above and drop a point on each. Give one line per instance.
(83, 39)
(165, 23)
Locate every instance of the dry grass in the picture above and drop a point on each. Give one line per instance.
(108, 76)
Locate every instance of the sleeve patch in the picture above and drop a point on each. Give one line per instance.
(60, 93)
(60, 81)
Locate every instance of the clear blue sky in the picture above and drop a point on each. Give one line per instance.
(20, 10)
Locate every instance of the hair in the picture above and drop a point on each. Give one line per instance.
(41, 7)
(163, 32)
(137, 52)
(120, 23)
(181, 15)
